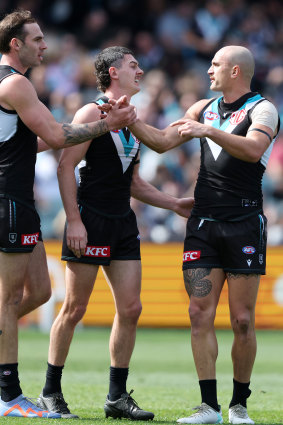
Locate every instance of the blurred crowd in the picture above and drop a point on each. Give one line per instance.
(174, 42)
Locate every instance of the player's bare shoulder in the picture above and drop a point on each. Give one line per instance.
(87, 113)
(15, 89)
(194, 111)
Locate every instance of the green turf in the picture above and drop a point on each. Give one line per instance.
(162, 374)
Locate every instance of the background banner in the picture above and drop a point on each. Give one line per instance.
(165, 301)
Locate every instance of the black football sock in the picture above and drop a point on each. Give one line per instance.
(208, 389)
(117, 383)
(9, 382)
(241, 392)
(53, 380)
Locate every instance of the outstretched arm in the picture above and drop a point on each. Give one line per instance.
(145, 192)
(17, 93)
(154, 138)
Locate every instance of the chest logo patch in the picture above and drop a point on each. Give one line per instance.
(210, 115)
(238, 117)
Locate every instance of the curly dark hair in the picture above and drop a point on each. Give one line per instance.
(111, 56)
(12, 26)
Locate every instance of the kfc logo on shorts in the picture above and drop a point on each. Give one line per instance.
(30, 239)
(248, 250)
(238, 117)
(209, 115)
(191, 256)
(97, 251)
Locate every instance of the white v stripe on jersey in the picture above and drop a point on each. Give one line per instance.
(228, 125)
(215, 149)
(126, 151)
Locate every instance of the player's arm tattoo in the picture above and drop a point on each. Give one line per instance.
(197, 283)
(79, 133)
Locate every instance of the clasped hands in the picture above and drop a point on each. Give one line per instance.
(186, 126)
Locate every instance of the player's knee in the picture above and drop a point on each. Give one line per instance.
(131, 312)
(13, 300)
(134, 311)
(200, 318)
(45, 295)
(12, 297)
(37, 298)
(241, 323)
(74, 313)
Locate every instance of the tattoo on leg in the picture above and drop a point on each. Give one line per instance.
(241, 275)
(195, 282)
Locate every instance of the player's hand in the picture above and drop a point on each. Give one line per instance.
(122, 102)
(105, 108)
(190, 128)
(184, 206)
(76, 237)
(120, 115)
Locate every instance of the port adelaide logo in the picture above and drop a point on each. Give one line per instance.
(12, 237)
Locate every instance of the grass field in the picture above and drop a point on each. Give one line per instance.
(162, 374)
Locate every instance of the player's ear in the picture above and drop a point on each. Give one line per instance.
(15, 43)
(113, 72)
(235, 71)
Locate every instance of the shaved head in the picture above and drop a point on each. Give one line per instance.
(241, 56)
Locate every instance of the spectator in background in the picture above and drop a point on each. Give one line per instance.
(254, 24)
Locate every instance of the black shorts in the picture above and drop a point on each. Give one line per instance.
(108, 238)
(236, 247)
(19, 226)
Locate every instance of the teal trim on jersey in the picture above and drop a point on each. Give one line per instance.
(225, 124)
(128, 146)
(100, 101)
